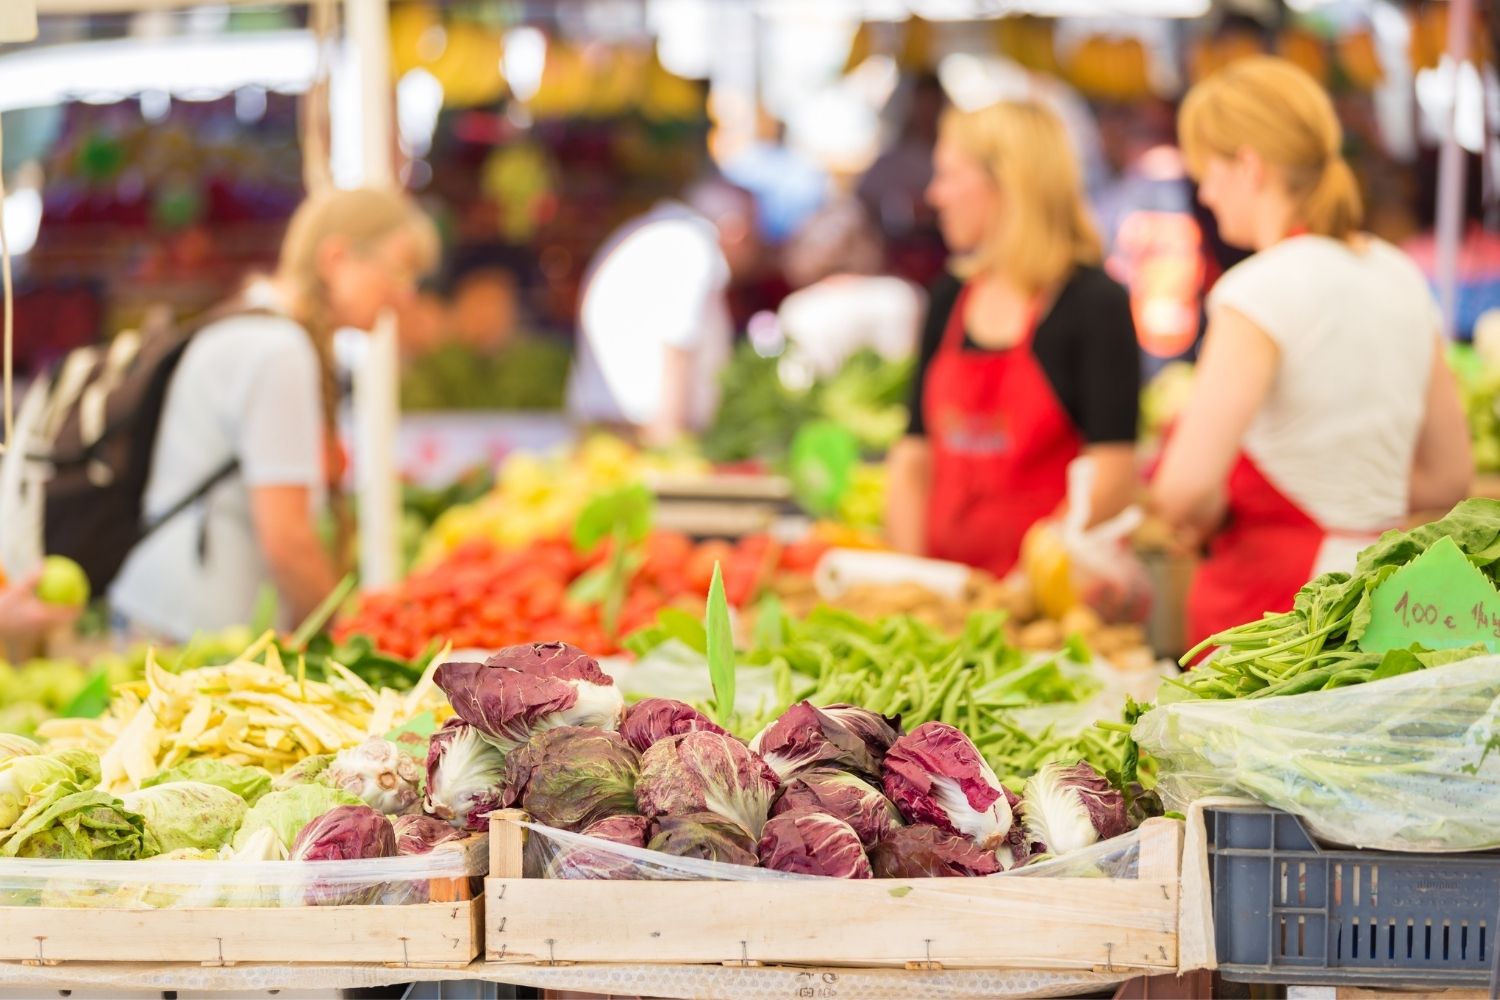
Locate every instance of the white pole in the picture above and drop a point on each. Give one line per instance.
(375, 383)
(1450, 188)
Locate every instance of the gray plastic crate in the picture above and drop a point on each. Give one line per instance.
(1289, 911)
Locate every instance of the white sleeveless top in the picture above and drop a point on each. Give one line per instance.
(1355, 329)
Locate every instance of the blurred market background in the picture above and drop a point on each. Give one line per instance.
(153, 152)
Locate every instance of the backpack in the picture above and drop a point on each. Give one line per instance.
(85, 437)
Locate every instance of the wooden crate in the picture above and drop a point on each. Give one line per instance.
(446, 932)
(1094, 924)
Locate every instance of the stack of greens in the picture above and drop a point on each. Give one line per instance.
(1315, 646)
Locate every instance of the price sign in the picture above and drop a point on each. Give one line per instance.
(1439, 600)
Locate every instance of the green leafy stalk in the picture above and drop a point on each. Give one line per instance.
(720, 649)
(323, 612)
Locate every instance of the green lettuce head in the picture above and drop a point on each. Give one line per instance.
(26, 779)
(188, 814)
(15, 745)
(286, 812)
(249, 783)
(78, 826)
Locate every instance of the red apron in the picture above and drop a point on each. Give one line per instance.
(1001, 443)
(1257, 562)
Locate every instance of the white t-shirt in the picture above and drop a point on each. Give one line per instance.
(659, 282)
(247, 387)
(1355, 329)
(832, 320)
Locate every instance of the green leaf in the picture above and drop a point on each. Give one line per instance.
(1395, 663)
(628, 510)
(720, 649)
(92, 700)
(900, 891)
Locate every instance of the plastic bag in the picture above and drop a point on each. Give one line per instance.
(180, 884)
(1070, 565)
(553, 853)
(1409, 763)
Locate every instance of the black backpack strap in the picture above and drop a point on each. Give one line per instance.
(218, 476)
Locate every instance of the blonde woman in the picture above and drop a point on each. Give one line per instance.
(1029, 356)
(1323, 412)
(250, 423)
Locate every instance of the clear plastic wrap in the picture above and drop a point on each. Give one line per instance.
(1409, 763)
(191, 884)
(553, 853)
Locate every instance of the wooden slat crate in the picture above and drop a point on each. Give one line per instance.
(445, 932)
(1096, 924)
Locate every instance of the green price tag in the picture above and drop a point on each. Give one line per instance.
(1439, 600)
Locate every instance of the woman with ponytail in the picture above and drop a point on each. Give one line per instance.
(1323, 411)
(249, 426)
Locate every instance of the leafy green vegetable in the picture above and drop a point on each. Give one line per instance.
(188, 814)
(249, 783)
(80, 825)
(720, 649)
(287, 811)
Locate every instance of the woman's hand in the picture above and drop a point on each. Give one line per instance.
(1235, 373)
(24, 616)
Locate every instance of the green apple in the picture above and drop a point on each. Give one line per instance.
(63, 582)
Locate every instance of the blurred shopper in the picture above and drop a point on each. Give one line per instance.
(249, 427)
(844, 302)
(1322, 411)
(894, 188)
(1027, 363)
(787, 185)
(654, 325)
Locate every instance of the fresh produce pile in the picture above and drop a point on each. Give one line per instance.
(246, 762)
(1384, 749)
(79, 686)
(1315, 646)
(1025, 625)
(483, 596)
(835, 790)
(1022, 709)
(253, 711)
(761, 414)
(540, 497)
(41, 689)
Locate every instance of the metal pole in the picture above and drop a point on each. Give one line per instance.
(376, 401)
(1450, 187)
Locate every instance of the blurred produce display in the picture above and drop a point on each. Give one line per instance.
(766, 401)
(486, 596)
(527, 374)
(1479, 381)
(540, 496)
(1024, 626)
